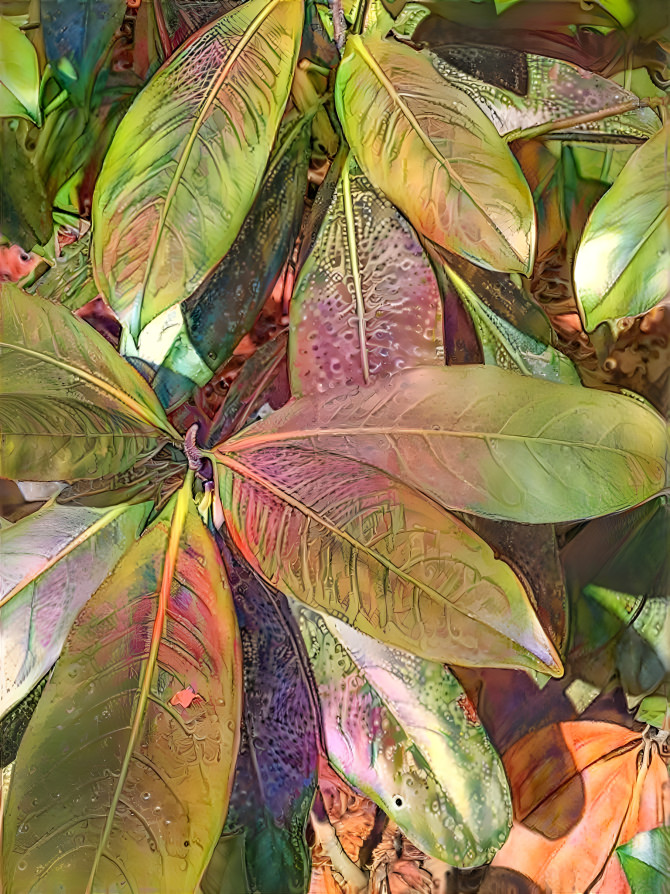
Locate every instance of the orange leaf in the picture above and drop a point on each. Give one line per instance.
(579, 790)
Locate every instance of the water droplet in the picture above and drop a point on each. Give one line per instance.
(146, 795)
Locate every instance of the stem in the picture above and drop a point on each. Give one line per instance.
(540, 130)
(352, 874)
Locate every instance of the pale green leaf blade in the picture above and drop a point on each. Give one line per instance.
(116, 787)
(435, 154)
(367, 302)
(171, 197)
(400, 729)
(19, 74)
(70, 406)
(646, 861)
(487, 441)
(622, 267)
(348, 540)
(50, 565)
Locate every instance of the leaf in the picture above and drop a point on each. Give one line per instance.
(19, 74)
(398, 729)
(52, 563)
(578, 792)
(112, 786)
(223, 309)
(25, 209)
(485, 440)
(436, 156)
(350, 541)
(70, 280)
(71, 407)
(552, 89)
(505, 346)
(275, 777)
(621, 267)
(170, 199)
(367, 302)
(646, 861)
(13, 724)
(182, 18)
(152, 479)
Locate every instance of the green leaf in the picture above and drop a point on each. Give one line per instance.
(71, 407)
(70, 280)
(506, 346)
(226, 871)
(435, 154)
(485, 440)
(367, 302)
(622, 267)
(25, 208)
(19, 74)
(348, 540)
(52, 563)
(654, 709)
(400, 730)
(646, 861)
(171, 197)
(553, 89)
(114, 786)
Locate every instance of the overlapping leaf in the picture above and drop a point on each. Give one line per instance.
(171, 197)
(367, 302)
(485, 440)
(580, 789)
(622, 267)
(399, 729)
(133, 788)
(646, 861)
(349, 540)
(52, 562)
(435, 154)
(19, 74)
(71, 407)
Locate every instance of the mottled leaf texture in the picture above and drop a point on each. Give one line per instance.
(114, 788)
(485, 440)
(348, 540)
(51, 563)
(399, 729)
(70, 406)
(622, 267)
(435, 154)
(579, 790)
(275, 777)
(646, 861)
(186, 161)
(223, 309)
(367, 302)
(552, 89)
(13, 724)
(508, 347)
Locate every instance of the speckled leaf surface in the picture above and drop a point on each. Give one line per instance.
(367, 302)
(622, 265)
(486, 440)
(553, 89)
(132, 790)
(646, 861)
(435, 154)
(171, 197)
(51, 563)
(401, 730)
(348, 540)
(275, 776)
(70, 406)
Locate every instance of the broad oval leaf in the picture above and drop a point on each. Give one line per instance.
(117, 785)
(486, 440)
(367, 302)
(550, 90)
(646, 861)
(19, 74)
(172, 196)
(52, 563)
(579, 790)
(70, 407)
(399, 729)
(435, 154)
(350, 541)
(622, 266)
(275, 776)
